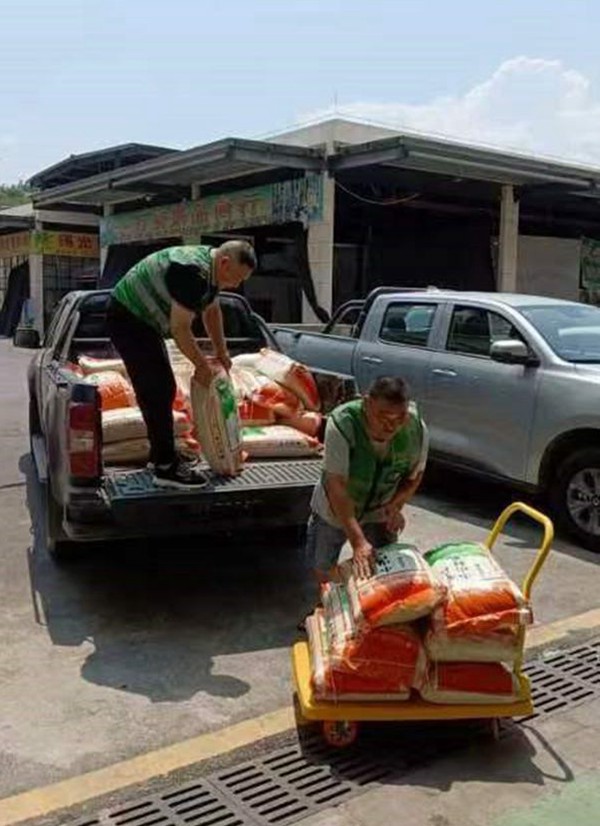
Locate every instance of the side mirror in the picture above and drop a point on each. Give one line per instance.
(26, 337)
(512, 351)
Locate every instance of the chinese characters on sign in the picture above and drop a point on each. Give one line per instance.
(297, 200)
(15, 244)
(70, 244)
(78, 244)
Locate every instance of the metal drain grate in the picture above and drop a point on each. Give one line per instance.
(290, 784)
(565, 679)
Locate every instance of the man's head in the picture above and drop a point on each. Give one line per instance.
(234, 263)
(386, 407)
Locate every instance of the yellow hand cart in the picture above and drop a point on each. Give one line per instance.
(340, 720)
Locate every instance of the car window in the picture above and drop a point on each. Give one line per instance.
(473, 330)
(55, 324)
(408, 323)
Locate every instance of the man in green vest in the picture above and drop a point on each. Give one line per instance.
(375, 456)
(161, 296)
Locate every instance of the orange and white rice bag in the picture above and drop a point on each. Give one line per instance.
(90, 365)
(478, 683)
(216, 423)
(255, 414)
(126, 423)
(389, 652)
(279, 399)
(137, 451)
(286, 372)
(484, 611)
(305, 421)
(352, 674)
(114, 389)
(402, 587)
(278, 441)
(495, 646)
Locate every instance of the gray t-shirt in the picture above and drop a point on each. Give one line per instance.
(336, 461)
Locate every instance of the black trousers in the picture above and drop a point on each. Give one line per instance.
(144, 353)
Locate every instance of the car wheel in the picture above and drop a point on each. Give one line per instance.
(59, 546)
(575, 496)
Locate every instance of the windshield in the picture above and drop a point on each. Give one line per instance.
(572, 330)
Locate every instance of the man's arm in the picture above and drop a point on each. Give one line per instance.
(213, 324)
(181, 328)
(407, 488)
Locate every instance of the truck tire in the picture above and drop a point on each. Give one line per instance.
(575, 496)
(59, 546)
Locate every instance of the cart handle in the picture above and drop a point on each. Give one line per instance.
(544, 549)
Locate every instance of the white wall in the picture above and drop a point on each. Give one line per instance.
(548, 266)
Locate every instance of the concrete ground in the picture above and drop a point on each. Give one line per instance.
(546, 773)
(142, 645)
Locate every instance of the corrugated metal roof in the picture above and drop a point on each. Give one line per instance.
(226, 159)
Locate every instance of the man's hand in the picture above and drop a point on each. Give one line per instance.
(362, 559)
(204, 374)
(395, 521)
(225, 359)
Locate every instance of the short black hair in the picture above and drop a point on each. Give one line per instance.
(241, 251)
(391, 389)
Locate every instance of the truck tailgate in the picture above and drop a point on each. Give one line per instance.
(272, 489)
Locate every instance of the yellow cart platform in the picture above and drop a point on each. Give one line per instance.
(341, 720)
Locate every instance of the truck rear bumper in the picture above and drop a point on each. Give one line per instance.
(266, 494)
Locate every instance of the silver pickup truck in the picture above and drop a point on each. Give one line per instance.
(509, 385)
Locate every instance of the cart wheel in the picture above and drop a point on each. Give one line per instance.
(495, 728)
(340, 733)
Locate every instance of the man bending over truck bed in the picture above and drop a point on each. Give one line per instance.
(161, 296)
(375, 454)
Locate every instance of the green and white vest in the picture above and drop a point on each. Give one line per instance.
(373, 480)
(143, 290)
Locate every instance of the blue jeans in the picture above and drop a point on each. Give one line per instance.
(324, 541)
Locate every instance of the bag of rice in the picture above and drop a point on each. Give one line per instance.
(89, 365)
(254, 414)
(277, 441)
(217, 424)
(494, 646)
(479, 683)
(306, 422)
(126, 423)
(390, 653)
(484, 611)
(332, 682)
(401, 589)
(137, 451)
(115, 391)
(286, 372)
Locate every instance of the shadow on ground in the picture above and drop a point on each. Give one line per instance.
(157, 613)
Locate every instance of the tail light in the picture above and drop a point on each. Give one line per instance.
(84, 445)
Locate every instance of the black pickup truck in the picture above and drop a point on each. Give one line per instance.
(86, 501)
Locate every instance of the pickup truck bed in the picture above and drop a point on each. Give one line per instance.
(124, 502)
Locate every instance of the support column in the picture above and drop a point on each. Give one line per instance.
(320, 252)
(106, 211)
(508, 241)
(36, 291)
(36, 286)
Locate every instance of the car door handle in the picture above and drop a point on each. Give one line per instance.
(449, 374)
(372, 360)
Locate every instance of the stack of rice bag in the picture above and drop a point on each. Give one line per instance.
(277, 403)
(446, 624)
(124, 434)
(267, 407)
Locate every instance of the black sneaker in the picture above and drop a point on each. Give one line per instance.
(181, 474)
